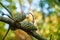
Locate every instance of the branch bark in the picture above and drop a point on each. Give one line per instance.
(12, 23)
(7, 20)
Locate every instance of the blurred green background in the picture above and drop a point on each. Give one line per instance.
(46, 14)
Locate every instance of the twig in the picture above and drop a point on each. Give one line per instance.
(4, 14)
(6, 34)
(32, 17)
(6, 9)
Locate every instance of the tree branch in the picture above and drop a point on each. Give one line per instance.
(34, 34)
(6, 20)
(12, 23)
